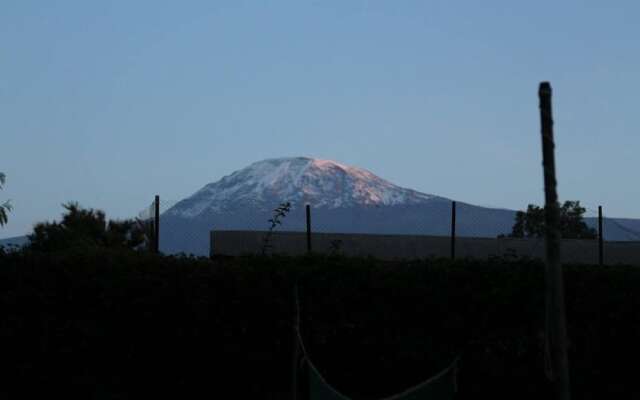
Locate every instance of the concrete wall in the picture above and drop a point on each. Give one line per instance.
(388, 247)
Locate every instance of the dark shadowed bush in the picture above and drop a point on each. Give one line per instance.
(105, 323)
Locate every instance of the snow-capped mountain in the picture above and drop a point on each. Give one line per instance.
(343, 198)
(321, 183)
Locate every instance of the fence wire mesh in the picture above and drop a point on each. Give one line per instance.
(145, 221)
(390, 232)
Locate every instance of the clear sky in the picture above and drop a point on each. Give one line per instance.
(108, 103)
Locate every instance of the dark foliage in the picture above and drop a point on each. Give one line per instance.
(86, 228)
(572, 226)
(118, 324)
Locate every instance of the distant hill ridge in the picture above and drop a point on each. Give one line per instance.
(14, 241)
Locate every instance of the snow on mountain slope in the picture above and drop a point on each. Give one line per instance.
(345, 200)
(321, 183)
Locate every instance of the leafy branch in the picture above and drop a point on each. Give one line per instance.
(6, 206)
(278, 214)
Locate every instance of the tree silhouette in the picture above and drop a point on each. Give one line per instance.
(85, 228)
(572, 226)
(6, 206)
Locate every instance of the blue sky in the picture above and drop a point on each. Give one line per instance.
(108, 103)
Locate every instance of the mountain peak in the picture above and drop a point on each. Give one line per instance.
(298, 180)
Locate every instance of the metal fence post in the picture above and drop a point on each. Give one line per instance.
(308, 228)
(453, 230)
(600, 238)
(156, 226)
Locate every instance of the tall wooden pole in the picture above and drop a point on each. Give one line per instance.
(308, 228)
(453, 230)
(556, 328)
(296, 344)
(156, 226)
(600, 238)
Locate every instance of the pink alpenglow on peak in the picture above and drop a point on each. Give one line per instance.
(321, 183)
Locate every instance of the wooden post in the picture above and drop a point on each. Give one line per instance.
(156, 226)
(556, 320)
(308, 228)
(453, 230)
(296, 344)
(600, 238)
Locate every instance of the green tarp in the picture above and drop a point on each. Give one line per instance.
(440, 387)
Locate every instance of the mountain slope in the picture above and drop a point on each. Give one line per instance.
(343, 199)
(321, 183)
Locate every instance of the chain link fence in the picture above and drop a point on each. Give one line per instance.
(440, 229)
